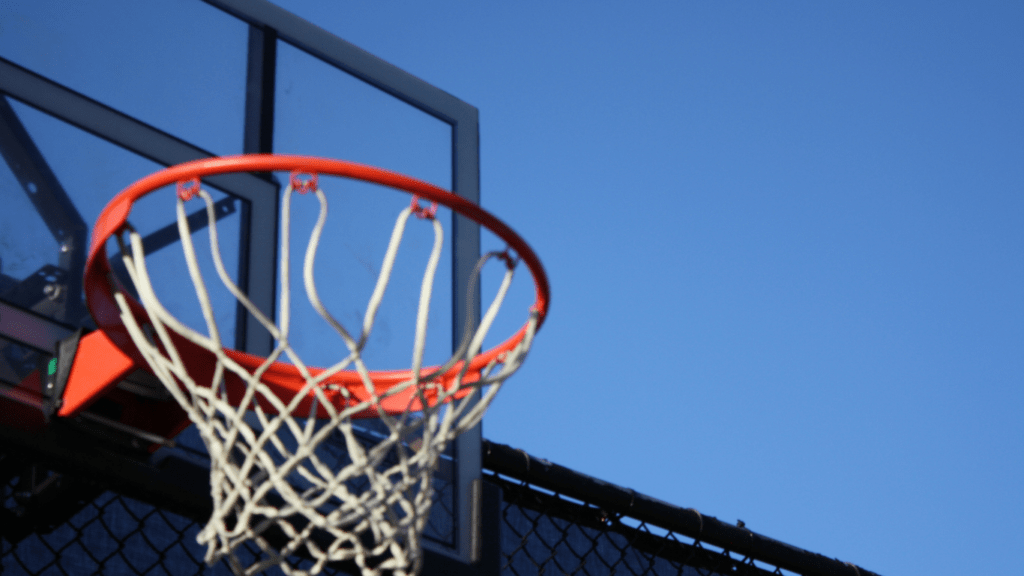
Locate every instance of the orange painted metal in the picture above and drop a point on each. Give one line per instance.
(284, 379)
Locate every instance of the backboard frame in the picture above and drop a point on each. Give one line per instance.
(269, 24)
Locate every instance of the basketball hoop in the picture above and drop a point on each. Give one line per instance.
(262, 419)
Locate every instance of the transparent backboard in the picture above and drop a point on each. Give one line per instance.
(96, 96)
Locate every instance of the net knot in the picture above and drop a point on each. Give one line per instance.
(420, 211)
(304, 182)
(187, 189)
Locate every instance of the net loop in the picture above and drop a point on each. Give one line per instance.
(506, 256)
(304, 182)
(421, 212)
(187, 189)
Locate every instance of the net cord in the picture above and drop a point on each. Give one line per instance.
(266, 472)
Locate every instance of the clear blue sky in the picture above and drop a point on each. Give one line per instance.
(785, 242)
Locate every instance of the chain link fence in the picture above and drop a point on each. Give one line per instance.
(551, 521)
(553, 534)
(557, 521)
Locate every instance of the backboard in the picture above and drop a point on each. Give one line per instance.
(95, 97)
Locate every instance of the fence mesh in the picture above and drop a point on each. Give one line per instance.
(86, 528)
(55, 520)
(541, 534)
(549, 533)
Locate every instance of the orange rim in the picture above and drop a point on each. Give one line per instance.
(285, 379)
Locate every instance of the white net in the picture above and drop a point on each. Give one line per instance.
(271, 483)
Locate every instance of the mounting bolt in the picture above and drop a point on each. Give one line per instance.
(53, 291)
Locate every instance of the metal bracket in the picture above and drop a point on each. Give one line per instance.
(58, 371)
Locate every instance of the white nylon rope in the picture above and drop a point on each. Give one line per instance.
(265, 472)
